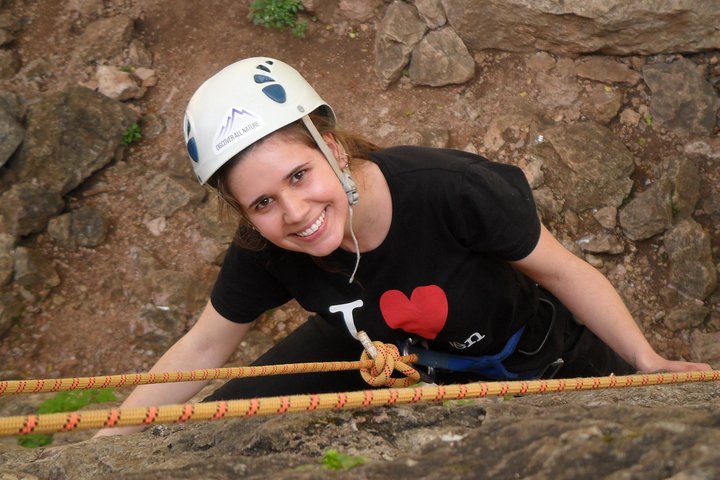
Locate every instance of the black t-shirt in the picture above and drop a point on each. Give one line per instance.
(441, 274)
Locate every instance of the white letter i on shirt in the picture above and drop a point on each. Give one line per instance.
(347, 309)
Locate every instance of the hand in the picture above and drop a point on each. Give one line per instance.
(664, 365)
(109, 432)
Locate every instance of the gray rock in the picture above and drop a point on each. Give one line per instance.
(611, 27)
(358, 10)
(164, 194)
(83, 227)
(432, 12)
(26, 208)
(139, 55)
(11, 133)
(104, 38)
(11, 310)
(649, 213)
(441, 58)
(34, 271)
(9, 63)
(586, 164)
(9, 26)
(686, 318)
(158, 327)
(117, 84)
(69, 135)
(707, 149)
(692, 270)
(684, 176)
(601, 243)
(601, 104)
(184, 292)
(606, 69)
(606, 216)
(682, 100)
(7, 246)
(557, 90)
(400, 30)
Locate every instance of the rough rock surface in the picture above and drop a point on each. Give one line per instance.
(643, 432)
(613, 27)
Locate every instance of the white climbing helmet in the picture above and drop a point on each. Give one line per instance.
(243, 103)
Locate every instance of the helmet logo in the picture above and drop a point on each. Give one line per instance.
(238, 123)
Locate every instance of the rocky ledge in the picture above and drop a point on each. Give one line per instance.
(640, 433)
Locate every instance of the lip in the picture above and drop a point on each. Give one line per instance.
(322, 218)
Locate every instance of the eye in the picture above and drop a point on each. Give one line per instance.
(299, 175)
(263, 203)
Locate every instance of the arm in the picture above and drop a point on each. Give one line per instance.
(595, 303)
(208, 344)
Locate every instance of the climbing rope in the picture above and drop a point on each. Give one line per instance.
(376, 366)
(96, 419)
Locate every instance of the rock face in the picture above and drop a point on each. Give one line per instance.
(70, 135)
(649, 432)
(590, 164)
(682, 99)
(613, 27)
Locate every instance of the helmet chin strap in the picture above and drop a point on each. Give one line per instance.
(345, 179)
(343, 175)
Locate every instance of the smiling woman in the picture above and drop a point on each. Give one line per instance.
(437, 251)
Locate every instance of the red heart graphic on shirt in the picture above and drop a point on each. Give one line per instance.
(424, 313)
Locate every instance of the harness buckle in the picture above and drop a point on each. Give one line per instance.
(430, 374)
(551, 369)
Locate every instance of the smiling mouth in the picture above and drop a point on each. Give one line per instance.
(314, 227)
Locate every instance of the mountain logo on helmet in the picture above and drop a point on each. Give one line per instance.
(238, 122)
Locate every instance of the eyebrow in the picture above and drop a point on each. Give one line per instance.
(287, 177)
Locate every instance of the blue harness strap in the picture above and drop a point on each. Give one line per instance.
(490, 366)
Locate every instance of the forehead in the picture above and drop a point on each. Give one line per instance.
(266, 167)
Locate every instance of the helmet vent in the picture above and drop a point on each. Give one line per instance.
(192, 150)
(263, 68)
(263, 79)
(275, 93)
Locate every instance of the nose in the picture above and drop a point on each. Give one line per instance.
(294, 207)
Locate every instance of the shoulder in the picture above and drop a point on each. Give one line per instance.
(435, 167)
(411, 158)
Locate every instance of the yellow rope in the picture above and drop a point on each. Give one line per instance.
(17, 387)
(95, 419)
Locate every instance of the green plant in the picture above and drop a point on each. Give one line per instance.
(69, 401)
(278, 14)
(334, 460)
(648, 119)
(131, 135)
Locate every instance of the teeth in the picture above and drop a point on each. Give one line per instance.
(314, 227)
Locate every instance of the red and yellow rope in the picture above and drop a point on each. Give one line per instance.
(17, 387)
(96, 419)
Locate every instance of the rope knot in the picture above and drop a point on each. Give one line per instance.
(386, 361)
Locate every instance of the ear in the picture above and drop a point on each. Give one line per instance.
(337, 150)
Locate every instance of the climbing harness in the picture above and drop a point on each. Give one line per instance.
(488, 366)
(377, 365)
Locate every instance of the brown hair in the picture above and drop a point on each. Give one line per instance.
(246, 236)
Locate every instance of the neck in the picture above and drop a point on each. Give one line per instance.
(372, 215)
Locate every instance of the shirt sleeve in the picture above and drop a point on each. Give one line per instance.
(497, 211)
(244, 288)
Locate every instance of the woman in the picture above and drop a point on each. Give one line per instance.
(437, 250)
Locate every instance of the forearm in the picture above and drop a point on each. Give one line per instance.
(595, 303)
(208, 344)
(174, 360)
